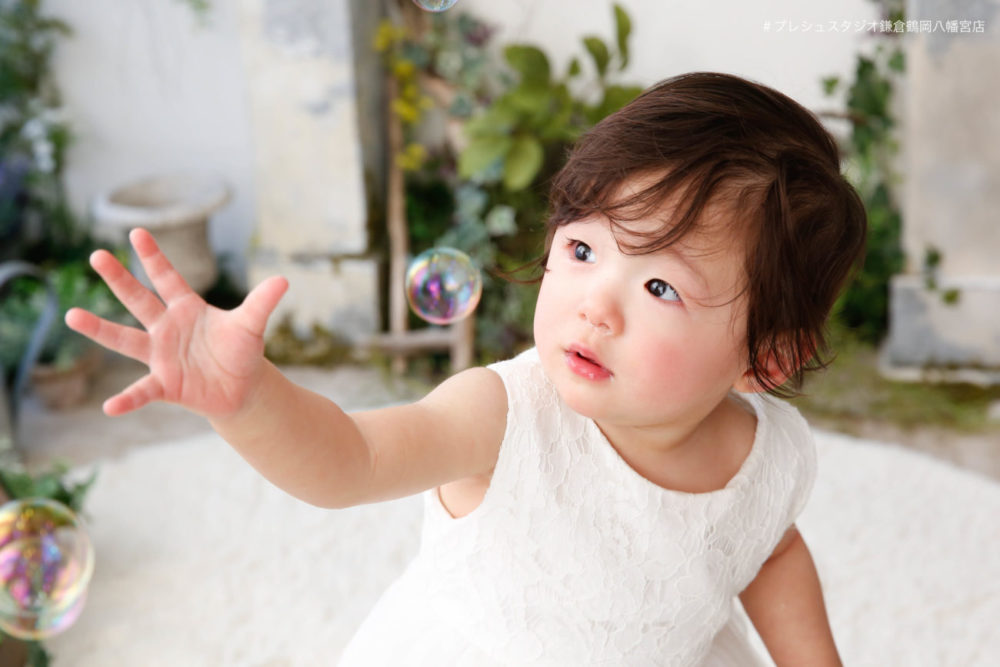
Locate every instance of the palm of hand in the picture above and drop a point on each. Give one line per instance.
(199, 357)
(203, 358)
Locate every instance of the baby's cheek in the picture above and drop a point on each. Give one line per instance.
(662, 369)
(671, 375)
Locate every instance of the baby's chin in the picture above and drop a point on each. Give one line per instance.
(583, 399)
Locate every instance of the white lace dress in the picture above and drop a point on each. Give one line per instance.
(573, 558)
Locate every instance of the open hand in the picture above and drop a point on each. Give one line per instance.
(200, 357)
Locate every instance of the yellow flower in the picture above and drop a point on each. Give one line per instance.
(406, 111)
(403, 69)
(383, 36)
(386, 35)
(410, 92)
(412, 157)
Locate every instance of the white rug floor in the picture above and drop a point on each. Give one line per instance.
(202, 562)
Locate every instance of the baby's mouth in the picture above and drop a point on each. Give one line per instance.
(584, 362)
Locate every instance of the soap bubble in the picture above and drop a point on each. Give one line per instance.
(435, 5)
(46, 560)
(443, 285)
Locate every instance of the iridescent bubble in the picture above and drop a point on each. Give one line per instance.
(443, 285)
(435, 5)
(46, 560)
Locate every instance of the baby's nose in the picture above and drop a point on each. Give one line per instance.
(601, 311)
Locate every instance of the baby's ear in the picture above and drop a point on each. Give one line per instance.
(777, 368)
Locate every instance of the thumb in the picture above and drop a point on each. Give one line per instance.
(261, 302)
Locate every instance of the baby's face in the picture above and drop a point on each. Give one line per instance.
(642, 340)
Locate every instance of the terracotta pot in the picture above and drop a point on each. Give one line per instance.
(62, 388)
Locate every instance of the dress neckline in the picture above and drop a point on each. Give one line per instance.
(745, 471)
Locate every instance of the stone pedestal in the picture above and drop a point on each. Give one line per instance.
(945, 315)
(311, 216)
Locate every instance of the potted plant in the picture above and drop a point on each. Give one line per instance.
(67, 360)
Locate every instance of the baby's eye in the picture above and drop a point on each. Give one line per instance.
(582, 251)
(662, 290)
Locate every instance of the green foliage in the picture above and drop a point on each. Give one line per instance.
(53, 483)
(864, 306)
(200, 8)
(540, 112)
(75, 284)
(932, 261)
(34, 136)
(851, 393)
(520, 117)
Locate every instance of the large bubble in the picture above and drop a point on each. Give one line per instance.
(435, 5)
(46, 560)
(443, 285)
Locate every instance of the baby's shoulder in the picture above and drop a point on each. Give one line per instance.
(524, 378)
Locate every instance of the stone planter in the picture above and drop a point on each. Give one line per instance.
(175, 209)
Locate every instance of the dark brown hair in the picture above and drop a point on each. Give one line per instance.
(715, 139)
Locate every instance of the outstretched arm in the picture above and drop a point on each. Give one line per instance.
(785, 604)
(212, 362)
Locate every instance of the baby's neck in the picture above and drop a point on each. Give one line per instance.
(695, 459)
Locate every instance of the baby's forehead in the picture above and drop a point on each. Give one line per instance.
(717, 229)
(653, 210)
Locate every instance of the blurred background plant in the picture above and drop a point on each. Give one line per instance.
(482, 140)
(22, 305)
(37, 224)
(870, 153)
(852, 391)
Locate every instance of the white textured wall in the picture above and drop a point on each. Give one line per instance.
(147, 90)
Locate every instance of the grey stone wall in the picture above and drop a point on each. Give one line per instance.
(311, 206)
(951, 199)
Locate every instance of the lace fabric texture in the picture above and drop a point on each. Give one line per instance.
(573, 558)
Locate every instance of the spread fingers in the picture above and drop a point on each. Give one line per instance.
(117, 337)
(169, 284)
(139, 393)
(139, 301)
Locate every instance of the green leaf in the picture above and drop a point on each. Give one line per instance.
(897, 62)
(530, 62)
(623, 28)
(830, 84)
(599, 52)
(499, 119)
(574, 68)
(615, 97)
(481, 153)
(16, 484)
(523, 162)
(530, 99)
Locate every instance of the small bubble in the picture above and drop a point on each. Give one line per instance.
(435, 5)
(443, 285)
(46, 560)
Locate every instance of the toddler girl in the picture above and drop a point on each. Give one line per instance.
(607, 496)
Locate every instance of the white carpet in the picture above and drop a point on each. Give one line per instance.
(202, 562)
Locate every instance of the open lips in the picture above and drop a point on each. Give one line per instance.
(585, 363)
